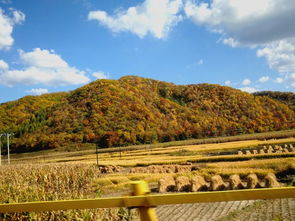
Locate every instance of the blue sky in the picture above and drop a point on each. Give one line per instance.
(60, 45)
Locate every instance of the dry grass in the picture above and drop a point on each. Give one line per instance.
(25, 183)
(264, 163)
(177, 154)
(199, 146)
(72, 180)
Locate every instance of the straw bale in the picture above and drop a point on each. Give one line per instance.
(261, 151)
(198, 183)
(216, 183)
(271, 181)
(235, 182)
(252, 181)
(254, 152)
(165, 184)
(182, 184)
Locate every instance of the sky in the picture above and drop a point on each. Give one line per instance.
(60, 45)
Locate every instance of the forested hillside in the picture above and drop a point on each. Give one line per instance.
(135, 110)
(284, 97)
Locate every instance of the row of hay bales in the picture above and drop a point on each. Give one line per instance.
(215, 183)
(164, 169)
(109, 169)
(287, 148)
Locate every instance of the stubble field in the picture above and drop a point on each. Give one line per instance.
(75, 175)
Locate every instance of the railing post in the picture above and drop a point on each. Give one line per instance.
(146, 213)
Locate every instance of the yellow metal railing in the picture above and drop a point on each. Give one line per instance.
(146, 203)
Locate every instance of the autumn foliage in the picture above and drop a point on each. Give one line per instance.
(135, 110)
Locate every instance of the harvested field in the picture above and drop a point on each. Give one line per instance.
(191, 166)
(286, 148)
(265, 210)
(155, 155)
(164, 169)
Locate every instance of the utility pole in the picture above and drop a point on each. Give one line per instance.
(8, 151)
(97, 154)
(0, 148)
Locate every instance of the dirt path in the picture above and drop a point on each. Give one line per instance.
(281, 209)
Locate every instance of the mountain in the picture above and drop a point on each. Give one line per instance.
(284, 97)
(135, 110)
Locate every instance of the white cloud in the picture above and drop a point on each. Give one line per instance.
(227, 83)
(43, 67)
(248, 22)
(3, 65)
(6, 27)
(155, 17)
(230, 42)
(263, 79)
(280, 56)
(246, 82)
(42, 59)
(288, 79)
(248, 89)
(200, 62)
(100, 75)
(18, 17)
(279, 80)
(265, 24)
(37, 91)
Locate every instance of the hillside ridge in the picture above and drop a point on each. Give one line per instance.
(136, 110)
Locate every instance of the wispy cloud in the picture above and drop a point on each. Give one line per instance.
(37, 91)
(246, 82)
(263, 79)
(100, 75)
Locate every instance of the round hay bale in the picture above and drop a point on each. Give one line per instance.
(216, 183)
(198, 183)
(182, 184)
(165, 184)
(271, 181)
(235, 182)
(252, 181)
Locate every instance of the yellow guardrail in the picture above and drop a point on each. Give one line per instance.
(145, 202)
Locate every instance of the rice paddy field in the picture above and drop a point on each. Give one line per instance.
(62, 175)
